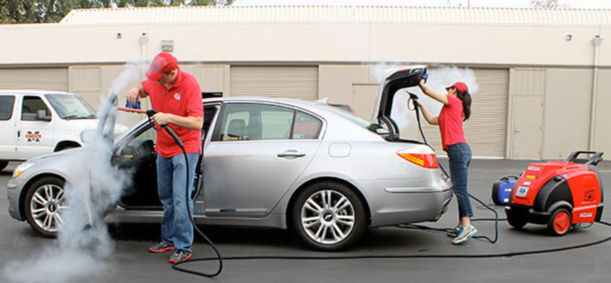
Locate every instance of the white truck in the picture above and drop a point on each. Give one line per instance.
(34, 122)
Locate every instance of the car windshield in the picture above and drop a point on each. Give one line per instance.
(351, 117)
(70, 106)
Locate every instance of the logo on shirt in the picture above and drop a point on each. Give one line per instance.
(177, 96)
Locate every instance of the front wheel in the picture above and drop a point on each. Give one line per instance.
(328, 216)
(44, 204)
(560, 222)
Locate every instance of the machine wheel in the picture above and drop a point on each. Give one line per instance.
(44, 204)
(516, 219)
(328, 216)
(560, 222)
(3, 164)
(495, 194)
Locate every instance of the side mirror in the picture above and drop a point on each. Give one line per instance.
(42, 115)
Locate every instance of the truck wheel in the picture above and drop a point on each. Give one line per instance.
(44, 204)
(3, 164)
(328, 216)
(516, 219)
(560, 222)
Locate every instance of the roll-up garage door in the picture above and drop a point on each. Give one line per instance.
(300, 82)
(486, 130)
(34, 78)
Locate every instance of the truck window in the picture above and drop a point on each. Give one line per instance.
(31, 105)
(6, 107)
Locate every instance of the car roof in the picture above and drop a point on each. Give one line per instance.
(309, 105)
(32, 91)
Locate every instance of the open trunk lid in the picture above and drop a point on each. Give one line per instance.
(403, 78)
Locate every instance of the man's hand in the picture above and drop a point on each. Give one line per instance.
(422, 82)
(162, 118)
(133, 95)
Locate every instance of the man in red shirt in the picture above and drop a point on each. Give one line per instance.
(177, 97)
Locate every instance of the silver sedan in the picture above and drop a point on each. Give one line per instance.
(306, 166)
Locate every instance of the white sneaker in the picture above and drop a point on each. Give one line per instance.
(464, 235)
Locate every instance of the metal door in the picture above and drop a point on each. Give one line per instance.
(34, 136)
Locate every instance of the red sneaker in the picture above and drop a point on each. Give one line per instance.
(161, 247)
(180, 256)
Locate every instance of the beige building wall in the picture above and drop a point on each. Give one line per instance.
(550, 78)
(567, 112)
(602, 119)
(497, 44)
(349, 84)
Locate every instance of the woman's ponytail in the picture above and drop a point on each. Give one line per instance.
(465, 97)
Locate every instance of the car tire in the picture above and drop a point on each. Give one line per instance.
(560, 222)
(3, 164)
(516, 219)
(328, 216)
(44, 202)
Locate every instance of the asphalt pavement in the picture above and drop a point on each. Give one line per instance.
(408, 249)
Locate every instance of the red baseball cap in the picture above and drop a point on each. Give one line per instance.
(459, 86)
(162, 63)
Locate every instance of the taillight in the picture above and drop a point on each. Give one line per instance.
(426, 160)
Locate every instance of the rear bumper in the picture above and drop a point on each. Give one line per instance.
(410, 206)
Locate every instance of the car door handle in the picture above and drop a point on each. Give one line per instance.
(291, 153)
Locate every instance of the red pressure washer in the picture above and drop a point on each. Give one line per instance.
(561, 194)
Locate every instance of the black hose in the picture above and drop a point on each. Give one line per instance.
(187, 199)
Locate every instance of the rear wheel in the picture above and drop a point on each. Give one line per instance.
(44, 204)
(328, 216)
(516, 219)
(560, 222)
(3, 164)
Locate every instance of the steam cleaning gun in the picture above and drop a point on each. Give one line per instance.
(150, 113)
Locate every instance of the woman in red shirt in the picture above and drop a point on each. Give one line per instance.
(456, 109)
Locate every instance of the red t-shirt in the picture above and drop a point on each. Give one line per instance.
(450, 122)
(184, 98)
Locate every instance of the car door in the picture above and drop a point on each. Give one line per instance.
(34, 128)
(256, 154)
(8, 131)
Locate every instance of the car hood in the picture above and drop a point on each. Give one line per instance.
(68, 153)
(403, 78)
(83, 123)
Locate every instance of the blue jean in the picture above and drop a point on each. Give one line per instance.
(176, 227)
(459, 156)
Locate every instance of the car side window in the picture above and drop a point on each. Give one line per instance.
(209, 113)
(6, 107)
(306, 126)
(31, 105)
(249, 121)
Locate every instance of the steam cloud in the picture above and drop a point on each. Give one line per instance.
(439, 78)
(83, 247)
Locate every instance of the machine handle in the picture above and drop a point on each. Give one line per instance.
(594, 160)
(507, 178)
